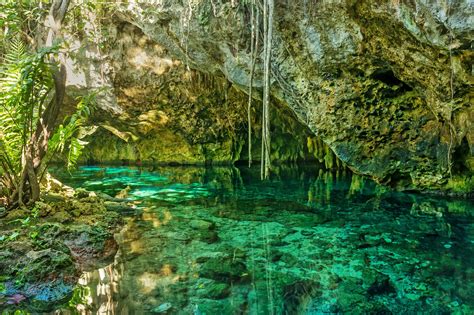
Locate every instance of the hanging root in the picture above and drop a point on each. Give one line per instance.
(267, 48)
(452, 130)
(253, 54)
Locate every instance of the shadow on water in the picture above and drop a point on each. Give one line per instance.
(220, 241)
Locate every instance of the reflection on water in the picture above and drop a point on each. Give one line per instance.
(96, 290)
(220, 241)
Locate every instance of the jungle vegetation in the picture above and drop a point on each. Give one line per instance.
(32, 90)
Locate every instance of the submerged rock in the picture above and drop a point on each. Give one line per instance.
(380, 284)
(119, 207)
(224, 269)
(296, 296)
(202, 224)
(214, 291)
(163, 308)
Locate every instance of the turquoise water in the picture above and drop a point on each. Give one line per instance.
(220, 241)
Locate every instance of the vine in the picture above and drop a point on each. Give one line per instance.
(452, 131)
(268, 8)
(255, 16)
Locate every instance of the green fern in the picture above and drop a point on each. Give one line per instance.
(12, 110)
(17, 51)
(26, 95)
(25, 83)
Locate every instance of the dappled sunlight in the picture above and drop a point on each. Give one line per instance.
(166, 270)
(149, 281)
(137, 247)
(157, 220)
(96, 291)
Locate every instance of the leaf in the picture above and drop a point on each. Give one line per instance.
(13, 236)
(68, 135)
(24, 80)
(3, 288)
(25, 221)
(34, 234)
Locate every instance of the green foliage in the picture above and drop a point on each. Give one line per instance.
(13, 236)
(11, 85)
(78, 21)
(26, 90)
(16, 312)
(27, 226)
(25, 81)
(9, 237)
(20, 18)
(28, 106)
(25, 85)
(3, 288)
(10, 19)
(80, 296)
(460, 184)
(68, 135)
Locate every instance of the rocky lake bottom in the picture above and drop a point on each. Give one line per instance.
(220, 241)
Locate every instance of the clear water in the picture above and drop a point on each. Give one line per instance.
(220, 241)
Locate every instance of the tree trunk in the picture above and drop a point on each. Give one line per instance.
(29, 188)
(47, 121)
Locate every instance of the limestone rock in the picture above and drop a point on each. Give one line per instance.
(385, 84)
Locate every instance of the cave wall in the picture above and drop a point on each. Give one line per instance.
(158, 111)
(387, 85)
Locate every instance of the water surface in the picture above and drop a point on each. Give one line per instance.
(220, 241)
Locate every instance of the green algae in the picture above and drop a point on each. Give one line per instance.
(460, 184)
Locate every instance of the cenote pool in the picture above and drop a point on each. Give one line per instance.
(220, 241)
